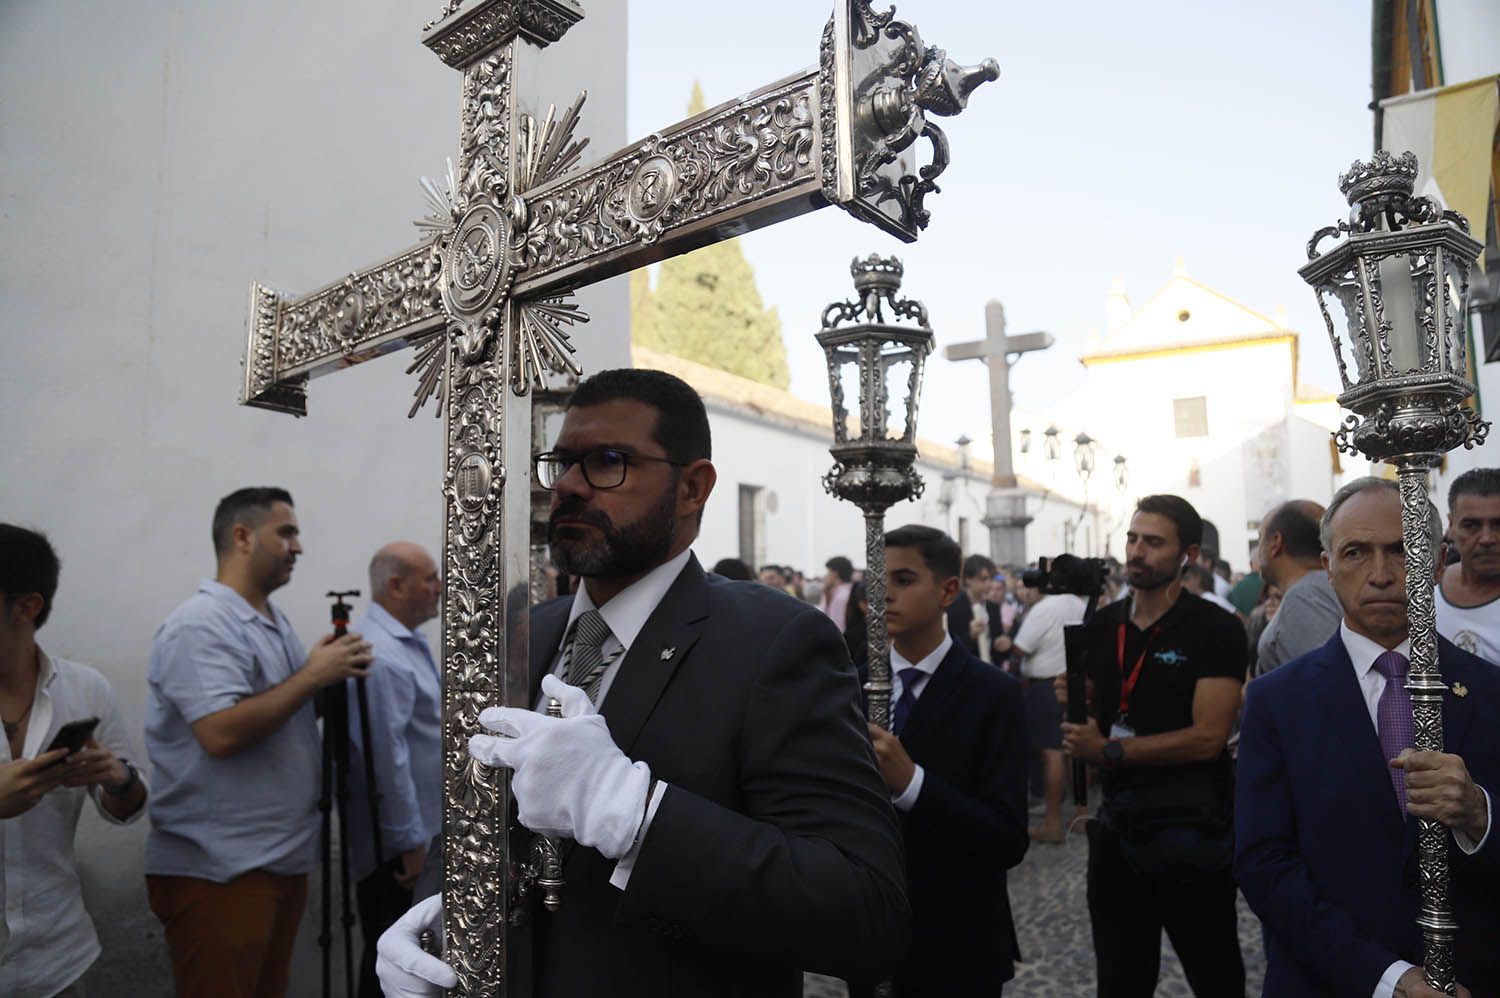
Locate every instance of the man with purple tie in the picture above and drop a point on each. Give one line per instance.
(1329, 787)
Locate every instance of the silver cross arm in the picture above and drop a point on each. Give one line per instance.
(372, 312)
(845, 132)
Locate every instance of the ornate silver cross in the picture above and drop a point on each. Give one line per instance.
(513, 229)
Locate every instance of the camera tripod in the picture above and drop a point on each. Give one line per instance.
(335, 790)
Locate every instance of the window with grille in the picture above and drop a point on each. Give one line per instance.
(753, 526)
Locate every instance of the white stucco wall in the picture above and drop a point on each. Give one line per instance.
(808, 526)
(1128, 405)
(156, 158)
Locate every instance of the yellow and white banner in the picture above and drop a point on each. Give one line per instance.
(1452, 132)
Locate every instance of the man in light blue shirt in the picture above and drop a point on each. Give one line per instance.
(235, 758)
(404, 693)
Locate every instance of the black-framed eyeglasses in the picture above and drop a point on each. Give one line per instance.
(602, 469)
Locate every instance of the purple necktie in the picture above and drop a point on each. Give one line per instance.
(1394, 717)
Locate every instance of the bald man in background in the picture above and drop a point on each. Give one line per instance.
(1291, 559)
(405, 699)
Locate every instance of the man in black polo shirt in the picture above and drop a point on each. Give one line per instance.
(1165, 669)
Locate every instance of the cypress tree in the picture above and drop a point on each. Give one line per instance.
(706, 308)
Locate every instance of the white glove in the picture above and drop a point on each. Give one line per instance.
(571, 780)
(404, 968)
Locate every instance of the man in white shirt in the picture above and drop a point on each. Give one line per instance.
(729, 828)
(1468, 593)
(47, 941)
(1044, 658)
(1329, 788)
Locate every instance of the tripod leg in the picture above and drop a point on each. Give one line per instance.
(325, 805)
(369, 760)
(341, 767)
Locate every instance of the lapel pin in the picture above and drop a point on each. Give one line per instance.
(1460, 690)
(667, 653)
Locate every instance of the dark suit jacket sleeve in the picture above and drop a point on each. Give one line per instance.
(808, 869)
(987, 829)
(960, 615)
(1319, 936)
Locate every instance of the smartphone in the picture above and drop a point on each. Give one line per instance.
(74, 735)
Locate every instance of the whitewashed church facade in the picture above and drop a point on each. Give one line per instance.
(1201, 394)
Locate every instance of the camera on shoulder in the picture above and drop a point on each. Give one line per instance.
(1068, 573)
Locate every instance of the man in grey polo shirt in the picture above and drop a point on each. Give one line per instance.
(235, 754)
(1291, 559)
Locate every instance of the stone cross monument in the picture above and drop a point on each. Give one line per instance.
(483, 299)
(1005, 506)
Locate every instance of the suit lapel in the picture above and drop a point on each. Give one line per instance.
(1457, 710)
(547, 624)
(944, 684)
(656, 654)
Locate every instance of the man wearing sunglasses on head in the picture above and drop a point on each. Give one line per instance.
(729, 826)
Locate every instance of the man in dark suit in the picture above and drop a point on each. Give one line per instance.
(955, 763)
(973, 618)
(1329, 789)
(729, 826)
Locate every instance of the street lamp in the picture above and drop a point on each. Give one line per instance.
(1401, 280)
(1026, 440)
(1083, 457)
(1121, 477)
(1051, 447)
(962, 443)
(880, 363)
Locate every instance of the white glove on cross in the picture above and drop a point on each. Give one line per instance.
(404, 968)
(570, 779)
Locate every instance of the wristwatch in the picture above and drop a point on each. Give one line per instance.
(132, 775)
(1113, 753)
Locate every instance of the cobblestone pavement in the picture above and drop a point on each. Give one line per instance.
(1047, 896)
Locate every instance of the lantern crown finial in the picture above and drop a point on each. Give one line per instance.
(1384, 180)
(877, 273)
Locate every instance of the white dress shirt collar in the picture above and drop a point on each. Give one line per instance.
(632, 606)
(927, 666)
(1364, 651)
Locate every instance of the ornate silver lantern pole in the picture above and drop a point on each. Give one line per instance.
(873, 467)
(1401, 279)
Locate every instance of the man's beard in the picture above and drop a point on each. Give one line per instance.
(1149, 579)
(619, 552)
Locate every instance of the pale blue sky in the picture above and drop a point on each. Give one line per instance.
(1117, 137)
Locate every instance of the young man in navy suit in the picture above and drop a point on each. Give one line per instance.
(955, 764)
(1329, 788)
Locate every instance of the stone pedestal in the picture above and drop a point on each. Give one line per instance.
(1005, 516)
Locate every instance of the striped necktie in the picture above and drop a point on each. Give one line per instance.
(907, 701)
(586, 661)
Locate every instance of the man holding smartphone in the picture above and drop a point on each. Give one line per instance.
(63, 739)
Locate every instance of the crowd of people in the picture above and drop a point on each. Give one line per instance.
(730, 817)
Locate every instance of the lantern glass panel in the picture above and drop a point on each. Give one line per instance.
(843, 375)
(1398, 301)
(1452, 311)
(898, 367)
(1346, 327)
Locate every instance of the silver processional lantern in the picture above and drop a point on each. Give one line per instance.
(1401, 281)
(879, 363)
